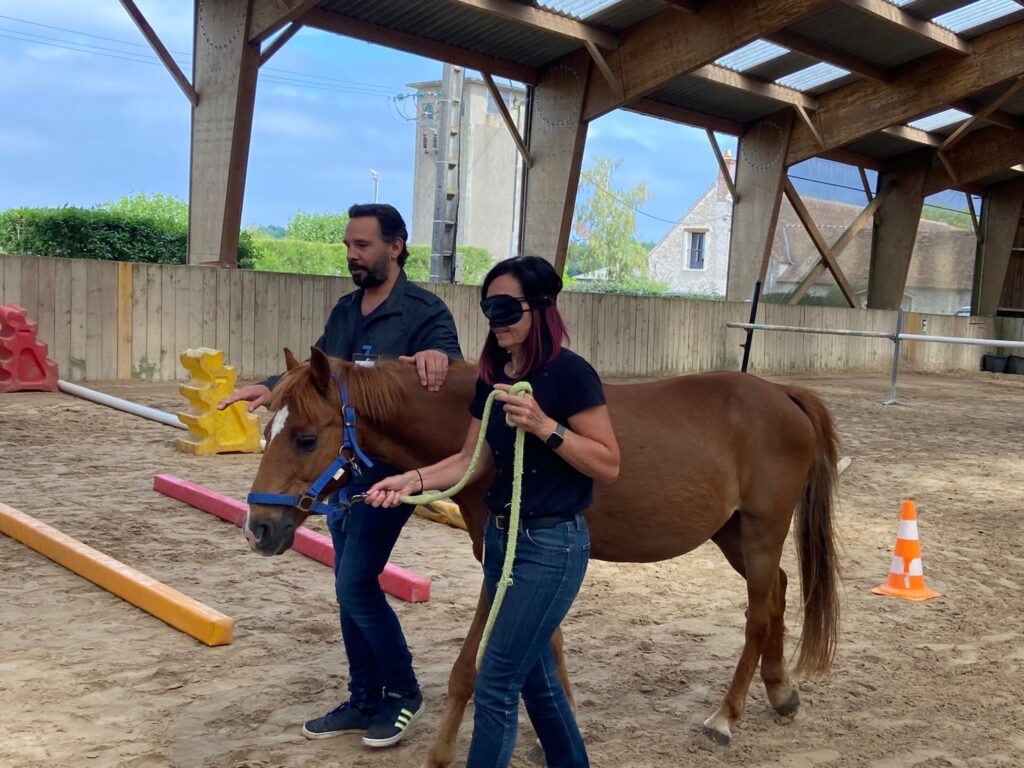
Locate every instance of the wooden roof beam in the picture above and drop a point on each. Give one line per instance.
(731, 79)
(922, 28)
(547, 21)
(161, 51)
(670, 44)
(857, 110)
(268, 16)
(981, 153)
(915, 135)
(404, 41)
(822, 52)
(982, 114)
(690, 6)
(278, 42)
(998, 117)
(675, 114)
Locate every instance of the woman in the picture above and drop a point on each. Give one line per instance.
(569, 445)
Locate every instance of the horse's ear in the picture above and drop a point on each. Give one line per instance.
(289, 359)
(320, 367)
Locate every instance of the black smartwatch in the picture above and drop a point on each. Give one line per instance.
(555, 439)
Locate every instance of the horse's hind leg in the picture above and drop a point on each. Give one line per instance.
(782, 694)
(754, 549)
(460, 689)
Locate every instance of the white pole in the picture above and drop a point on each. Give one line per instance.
(962, 340)
(122, 405)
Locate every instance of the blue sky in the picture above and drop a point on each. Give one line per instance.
(86, 126)
(91, 116)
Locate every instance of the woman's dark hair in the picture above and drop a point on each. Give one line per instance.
(392, 225)
(541, 286)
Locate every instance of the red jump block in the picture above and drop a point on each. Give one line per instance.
(23, 361)
(394, 580)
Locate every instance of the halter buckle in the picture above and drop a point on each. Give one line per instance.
(305, 502)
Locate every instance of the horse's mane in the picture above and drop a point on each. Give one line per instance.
(374, 391)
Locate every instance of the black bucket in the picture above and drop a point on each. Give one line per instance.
(995, 363)
(1015, 364)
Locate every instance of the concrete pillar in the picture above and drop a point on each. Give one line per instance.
(556, 137)
(1000, 224)
(759, 173)
(895, 231)
(224, 74)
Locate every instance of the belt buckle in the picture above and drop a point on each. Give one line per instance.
(501, 522)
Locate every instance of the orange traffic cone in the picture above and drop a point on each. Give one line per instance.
(906, 575)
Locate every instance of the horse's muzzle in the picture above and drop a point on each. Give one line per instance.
(269, 537)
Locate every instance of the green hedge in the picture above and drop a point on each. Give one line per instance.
(305, 257)
(81, 233)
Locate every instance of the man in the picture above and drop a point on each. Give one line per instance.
(386, 317)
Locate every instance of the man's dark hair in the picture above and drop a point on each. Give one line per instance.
(392, 225)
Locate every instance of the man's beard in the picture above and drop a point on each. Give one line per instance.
(370, 277)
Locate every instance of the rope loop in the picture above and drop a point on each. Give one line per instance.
(505, 581)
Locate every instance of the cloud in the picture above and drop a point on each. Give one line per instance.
(291, 124)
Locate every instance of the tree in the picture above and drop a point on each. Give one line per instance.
(162, 210)
(604, 225)
(317, 227)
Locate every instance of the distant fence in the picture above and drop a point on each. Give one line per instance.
(115, 320)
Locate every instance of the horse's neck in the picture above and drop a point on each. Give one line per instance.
(425, 427)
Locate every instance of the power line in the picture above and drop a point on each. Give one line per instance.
(301, 79)
(623, 202)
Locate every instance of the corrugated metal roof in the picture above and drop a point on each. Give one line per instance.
(974, 15)
(461, 26)
(751, 55)
(865, 36)
(813, 77)
(880, 146)
(714, 99)
(578, 9)
(786, 64)
(939, 120)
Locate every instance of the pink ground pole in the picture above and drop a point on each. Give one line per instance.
(394, 580)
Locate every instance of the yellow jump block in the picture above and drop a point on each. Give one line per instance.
(446, 512)
(180, 611)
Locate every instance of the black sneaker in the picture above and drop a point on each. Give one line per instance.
(394, 716)
(347, 718)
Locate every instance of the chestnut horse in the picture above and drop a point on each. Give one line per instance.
(719, 456)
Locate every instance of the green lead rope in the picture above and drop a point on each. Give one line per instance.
(517, 492)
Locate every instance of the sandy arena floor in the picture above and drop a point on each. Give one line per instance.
(89, 680)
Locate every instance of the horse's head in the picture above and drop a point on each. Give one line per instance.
(302, 440)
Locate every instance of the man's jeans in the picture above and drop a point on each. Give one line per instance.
(378, 656)
(549, 568)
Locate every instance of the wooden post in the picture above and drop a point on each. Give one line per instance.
(1000, 222)
(556, 137)
(895, 232)
(124, 319)
(224, 75)
(760, 170)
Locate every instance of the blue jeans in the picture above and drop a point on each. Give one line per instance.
(378, 656)
(549, 568)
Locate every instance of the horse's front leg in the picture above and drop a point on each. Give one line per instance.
(460, 689)
(558, 648)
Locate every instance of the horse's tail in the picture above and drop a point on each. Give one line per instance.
(816, 543)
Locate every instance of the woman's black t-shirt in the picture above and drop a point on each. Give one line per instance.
(551, 487)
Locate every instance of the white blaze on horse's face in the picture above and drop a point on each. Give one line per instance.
(278, 423)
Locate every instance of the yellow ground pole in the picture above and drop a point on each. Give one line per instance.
(180, 611)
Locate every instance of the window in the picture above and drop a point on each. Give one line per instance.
(697, 249)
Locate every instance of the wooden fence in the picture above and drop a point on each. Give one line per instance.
(114, 320)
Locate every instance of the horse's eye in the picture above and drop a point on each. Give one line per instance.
(305, 441)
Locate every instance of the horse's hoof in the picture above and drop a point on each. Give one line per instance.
(717, 737)
(790, 705)
(536, 754)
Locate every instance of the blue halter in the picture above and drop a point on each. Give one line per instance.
(308, 502)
